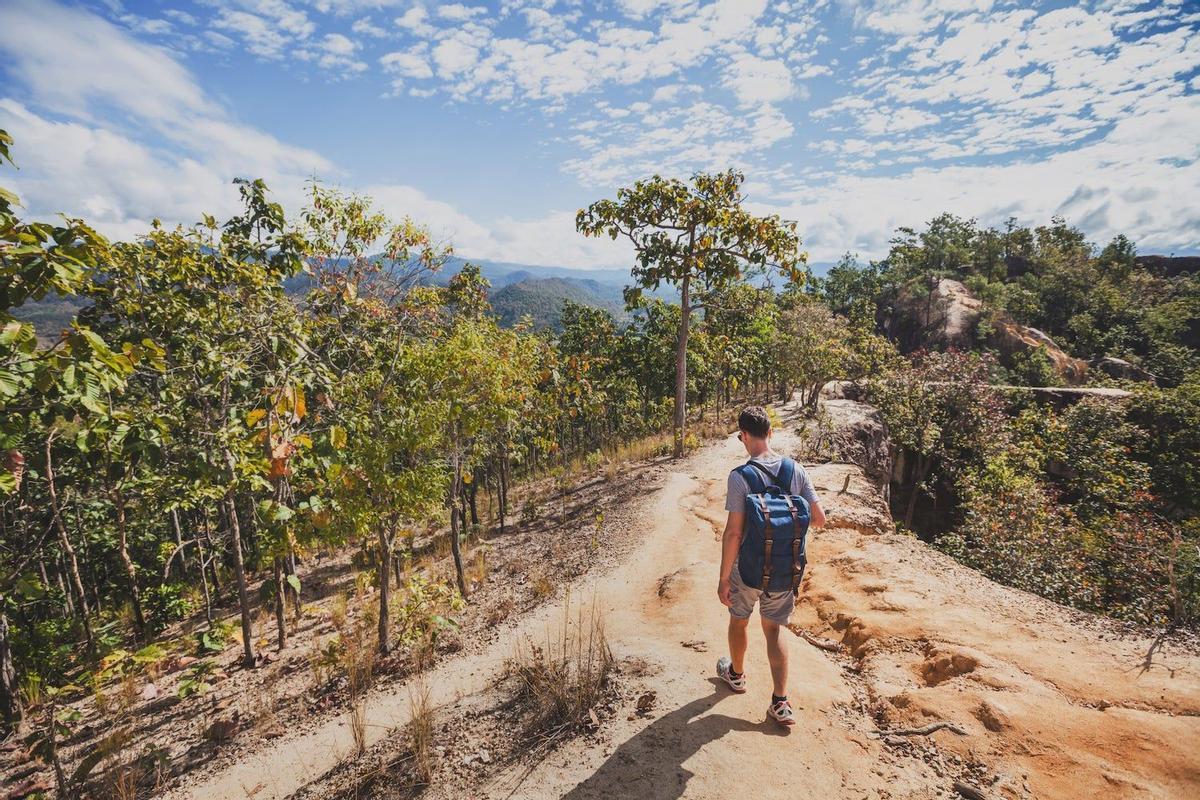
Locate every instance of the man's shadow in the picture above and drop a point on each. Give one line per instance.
(650, 765)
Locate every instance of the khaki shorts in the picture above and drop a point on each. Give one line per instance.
(774, 606)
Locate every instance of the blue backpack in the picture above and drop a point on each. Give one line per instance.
(771, 556)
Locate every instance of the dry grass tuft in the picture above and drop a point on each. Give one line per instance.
(354, 652)
(560, 682)
(420, 731)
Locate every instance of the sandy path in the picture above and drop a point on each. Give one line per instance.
(1054, 704)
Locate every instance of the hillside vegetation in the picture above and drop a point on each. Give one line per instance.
(542, 300)
(197, 434)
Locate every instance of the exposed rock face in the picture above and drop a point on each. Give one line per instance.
(1120, 368)
(949, 316)
(860, 438)
(944, 318)
(1011, 338)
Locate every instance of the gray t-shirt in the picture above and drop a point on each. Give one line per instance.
(736, 489)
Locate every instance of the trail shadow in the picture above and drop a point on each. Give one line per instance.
(650, 765)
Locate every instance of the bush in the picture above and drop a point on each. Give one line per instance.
(168, 602)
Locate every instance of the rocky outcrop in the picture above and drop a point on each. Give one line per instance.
(1012, 338)
(860, 438)
(1120, 368)
(945, 317)
(950, 315)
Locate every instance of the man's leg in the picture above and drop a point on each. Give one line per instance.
(737, 642)
(776, 654)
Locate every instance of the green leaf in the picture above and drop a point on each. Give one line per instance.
(337, 437)
(294, 582)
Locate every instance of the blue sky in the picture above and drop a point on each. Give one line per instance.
(494, 122)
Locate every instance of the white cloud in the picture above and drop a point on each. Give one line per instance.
(549, 239)
(180, 150)
(455, 55)
(416, 22)
(1139, 180)
(459, 12)
(366, 27)
(677, 141)
(757, 80)
(52, 48)
(261, 37)
(408, 64)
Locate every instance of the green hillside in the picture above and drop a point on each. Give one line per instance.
(542, 300)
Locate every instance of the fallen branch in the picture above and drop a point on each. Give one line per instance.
(924, 730)
(816, 641)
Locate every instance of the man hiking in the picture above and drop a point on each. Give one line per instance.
(762, 553)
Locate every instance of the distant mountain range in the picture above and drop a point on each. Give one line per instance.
(542, 300)
(518, 290)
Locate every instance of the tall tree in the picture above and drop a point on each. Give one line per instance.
(698, 237)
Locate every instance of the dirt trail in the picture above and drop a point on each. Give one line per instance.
(1053, 704)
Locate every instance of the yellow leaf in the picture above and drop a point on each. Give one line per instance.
(299, 409)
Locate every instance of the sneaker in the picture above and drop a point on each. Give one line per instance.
(725, 673)
(781, 712)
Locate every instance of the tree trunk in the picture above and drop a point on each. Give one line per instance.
(177, 529)
(294, 569)
(681, 365)
(10, 699)
(201, 561)
(211, 561)
(472, 498)
(238, 566)
(503, 489)
(455, 488)
(280, 620)
(118, 499)
(385, 582)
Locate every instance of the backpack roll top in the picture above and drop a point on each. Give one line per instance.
(772, 554)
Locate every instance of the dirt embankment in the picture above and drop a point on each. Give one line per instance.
(1041, 702)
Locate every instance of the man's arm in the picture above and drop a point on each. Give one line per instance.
(731, 540)
(816, 515)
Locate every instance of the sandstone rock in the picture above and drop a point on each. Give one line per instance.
(1012, 338)
(949, 316)
(945, 317)
(993, 716)
(860, 438)
(943, 663)
(1120, 368)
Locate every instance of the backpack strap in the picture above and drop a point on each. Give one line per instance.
(770, 480)
(768, 541)
(753, 477)
(787, 475)
(797, 540)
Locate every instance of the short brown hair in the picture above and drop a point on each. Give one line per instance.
(754, 421)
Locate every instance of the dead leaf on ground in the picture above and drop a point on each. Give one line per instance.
(697, 645)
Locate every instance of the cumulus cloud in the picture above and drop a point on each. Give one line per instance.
(757, 80)
(175, 156)
(1138, 180)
